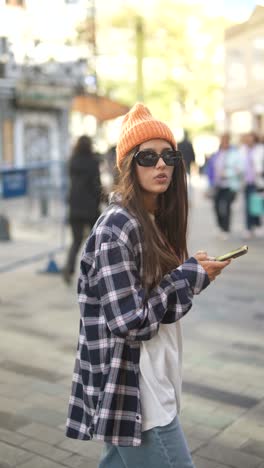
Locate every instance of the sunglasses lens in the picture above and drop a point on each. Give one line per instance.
(172, 157)
(147, 158)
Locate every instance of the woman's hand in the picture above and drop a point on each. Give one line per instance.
(212, 267)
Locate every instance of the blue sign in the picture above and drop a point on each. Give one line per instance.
(14, 183)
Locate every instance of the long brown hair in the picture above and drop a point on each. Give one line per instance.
(164, 246)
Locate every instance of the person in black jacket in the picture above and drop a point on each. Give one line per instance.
(84, 197)
(186, 148)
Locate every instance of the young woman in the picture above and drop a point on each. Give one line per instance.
(136, 282)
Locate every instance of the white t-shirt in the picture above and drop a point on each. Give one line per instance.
(160, 377)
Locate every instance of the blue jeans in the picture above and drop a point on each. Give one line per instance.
(162, 447)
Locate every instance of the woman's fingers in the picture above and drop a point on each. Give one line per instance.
(201, 255)
(213, 268)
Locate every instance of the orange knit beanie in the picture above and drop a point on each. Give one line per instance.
(139, 126)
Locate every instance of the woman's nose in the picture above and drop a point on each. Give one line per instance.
(160, 163)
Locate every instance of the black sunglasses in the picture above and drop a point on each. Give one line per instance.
(149, 157)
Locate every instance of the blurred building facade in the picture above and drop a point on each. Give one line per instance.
(41, 70)
(244, 75)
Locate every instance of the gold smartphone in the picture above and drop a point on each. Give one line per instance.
(234, 254)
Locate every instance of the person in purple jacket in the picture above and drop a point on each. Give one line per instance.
(136, 283)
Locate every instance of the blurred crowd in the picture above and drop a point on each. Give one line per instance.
(233, 169)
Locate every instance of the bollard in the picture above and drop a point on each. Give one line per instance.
(4, 229)
(51, 267)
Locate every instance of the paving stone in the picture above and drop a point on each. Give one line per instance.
(254, 447)
(229, 410)
(91, 449)
(258, 412)
(228, 456)
(231, 439)
(49, 388)
(89, 464)
(59, 404)
(203, 463)
(219, 395)
(30, 331)
(95, 449)
(44, 415)
(249, 427)
(75, 461)
(218, 421)
(12, 405)
(198, 403)
(13, 455)
(249, 347)
(46, 450)
(192, 414)
(11, 421)
(42, 374)
(10, 391)
(203, 433)
(39, 462)
(12, 378)
(254, 391)
(189, 428)
(13, 438)
(43, 433)
(194, 443)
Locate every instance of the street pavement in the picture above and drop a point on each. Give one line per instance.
(223, 392)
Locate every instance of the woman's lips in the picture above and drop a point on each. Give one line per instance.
(161, 178)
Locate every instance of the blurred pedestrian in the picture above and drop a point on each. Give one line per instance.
(136, 283)
(186, 148)
(252, 153)
(224, 173)
(84, 198)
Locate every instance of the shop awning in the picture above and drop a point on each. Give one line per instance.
(101, 107)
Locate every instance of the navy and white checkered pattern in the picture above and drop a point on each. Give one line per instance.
(115, 317)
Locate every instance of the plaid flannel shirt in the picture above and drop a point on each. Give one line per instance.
(115, 317)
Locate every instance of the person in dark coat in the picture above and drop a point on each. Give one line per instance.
(186, 148)
(84, 197)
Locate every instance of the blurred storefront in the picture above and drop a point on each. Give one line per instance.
(244, 75)
(35, 104)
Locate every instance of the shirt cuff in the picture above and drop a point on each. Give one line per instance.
(195, 274)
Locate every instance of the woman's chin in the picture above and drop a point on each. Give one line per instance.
(160, 189)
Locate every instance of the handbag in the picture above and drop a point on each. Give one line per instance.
(256, 204)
